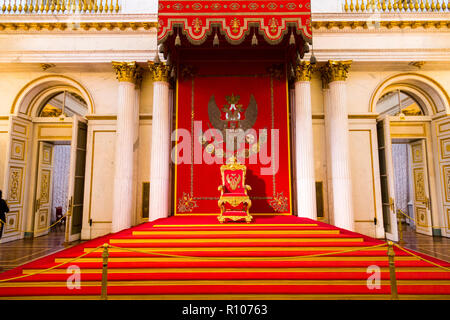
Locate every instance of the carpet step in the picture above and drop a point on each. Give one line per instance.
(216, 241)
(241, 248)
(271, 226)
(171, 263)
(96, 275)
(224, 261)
(405, 271)
(193, 297)
(236, 253)
(222, 287)
(373, 259)
(236, 233)
(331, 244)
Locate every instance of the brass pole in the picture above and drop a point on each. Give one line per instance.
(105, 255)
(400, 229)
(391, 255)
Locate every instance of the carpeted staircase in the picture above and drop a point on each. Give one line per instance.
(198, 258)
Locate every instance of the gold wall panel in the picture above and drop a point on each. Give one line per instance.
(419, 185)
(443, 127)
(417, 155)
(404, 130)
(42, 218)
(447, 210)
(445, 148)
(446, 176)
(19, 129)
(421, 216)
(47, 155)
(15, 185)
(45, 186)
(12, 222)
(52, 132)
(18, 149)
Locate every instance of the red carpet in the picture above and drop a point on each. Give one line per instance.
(198, 258)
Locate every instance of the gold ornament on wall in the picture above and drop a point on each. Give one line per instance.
(304, 71)
(159, 71)
(337, 70)
(126, 71)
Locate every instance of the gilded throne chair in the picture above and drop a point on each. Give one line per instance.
(234, 203)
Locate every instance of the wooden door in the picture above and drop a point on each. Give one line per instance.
(421, 190)
(43, 197)
(76, 179)
(387, 179)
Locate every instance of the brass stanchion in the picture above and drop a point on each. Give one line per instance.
(391, 255)
(105, 255)
(400, 229)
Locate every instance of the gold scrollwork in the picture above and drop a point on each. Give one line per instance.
(186, 203)
(159, 71)
(279, 203)
(336, 70)
(126, 71)
(304, 71)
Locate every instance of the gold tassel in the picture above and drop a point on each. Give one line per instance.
(177, 40)
(216, 40)
(292, 39)
(254, 40)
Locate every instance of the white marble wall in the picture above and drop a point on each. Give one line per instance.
(61, 166)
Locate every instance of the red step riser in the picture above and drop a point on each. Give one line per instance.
(240, 276)
(249, 244)
(225, 289)
(218, 255)
(239, 264)
(234, 236)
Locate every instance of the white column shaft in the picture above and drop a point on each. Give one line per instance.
(306, 185)
(160, 152)
(124, 159)
(337, 121)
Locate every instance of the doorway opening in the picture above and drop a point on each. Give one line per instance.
(61, 132)
(59, 205)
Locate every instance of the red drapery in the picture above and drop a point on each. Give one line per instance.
(196, 181)
(198, 19)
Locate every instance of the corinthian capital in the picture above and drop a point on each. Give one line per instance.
(337, 70)
(159, 71)
(126, 71)
(304, 71)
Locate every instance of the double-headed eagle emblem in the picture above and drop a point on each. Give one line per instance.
(235, 121)
(233, 114)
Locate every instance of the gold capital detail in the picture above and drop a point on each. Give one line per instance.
(159, 71)
(337, 70)
(304, 71)
(126, 71)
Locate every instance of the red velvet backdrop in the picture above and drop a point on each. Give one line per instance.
(196, 184)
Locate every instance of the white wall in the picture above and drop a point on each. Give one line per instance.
(327, 5)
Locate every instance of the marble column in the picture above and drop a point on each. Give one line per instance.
(125, 138)
(336, 115)
(161, 144)
(304, 151)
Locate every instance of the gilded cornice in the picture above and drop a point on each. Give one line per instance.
(336, 70)
(387, 24)
(159, 71)
(304, 71)
(126, 71)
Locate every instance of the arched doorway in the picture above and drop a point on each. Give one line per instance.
(46, 159)
(408, 106)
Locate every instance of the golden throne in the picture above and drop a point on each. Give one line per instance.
(234, 203)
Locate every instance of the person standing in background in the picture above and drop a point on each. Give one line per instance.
(3, 210)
